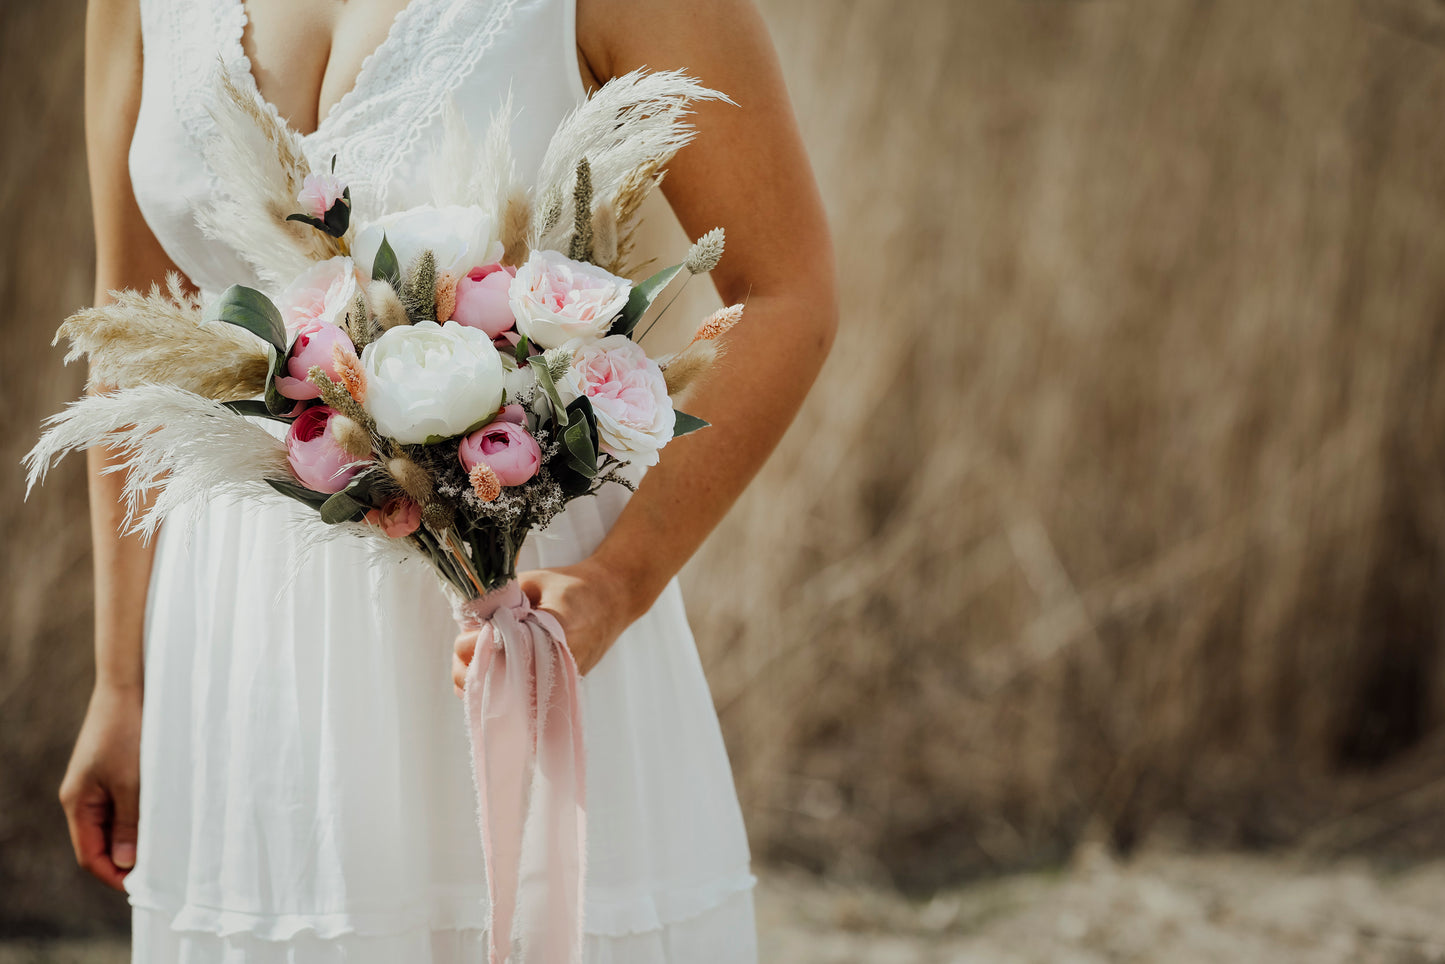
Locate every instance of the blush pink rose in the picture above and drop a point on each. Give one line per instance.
(629, 397)
(321, 293)
(507, 447)
(397, 518)
(316, 458)
(512, 413)
(314, 346)
(483, 300)
(319, 193)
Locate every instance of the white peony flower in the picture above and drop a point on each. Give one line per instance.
(461, 238)
(629, 397)
(321, 293)
(428, 380)
(556, 299)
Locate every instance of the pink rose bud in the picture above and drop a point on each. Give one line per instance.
(315, 456)
(512, 413)
(507, 447)
(319, 193)
(398, 517)
(313, 346)
(483, 301)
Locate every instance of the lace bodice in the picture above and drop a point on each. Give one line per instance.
(469, 52)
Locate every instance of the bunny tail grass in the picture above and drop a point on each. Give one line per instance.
(634, 123)
(259, 167)
(690, 364)
(160, 339)
(185, 448)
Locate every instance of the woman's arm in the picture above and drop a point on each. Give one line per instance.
(748, 172)
(101, 785)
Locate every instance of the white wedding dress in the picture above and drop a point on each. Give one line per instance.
(305, 791)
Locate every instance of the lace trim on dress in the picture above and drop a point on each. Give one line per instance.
(617, 917)
(400, 89)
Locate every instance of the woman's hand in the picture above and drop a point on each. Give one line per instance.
(591, 602)
(101, 789)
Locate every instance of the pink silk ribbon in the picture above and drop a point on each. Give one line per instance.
(524, 722)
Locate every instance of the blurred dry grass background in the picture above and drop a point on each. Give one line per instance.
(1118, 511)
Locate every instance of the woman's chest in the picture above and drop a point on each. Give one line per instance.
(306, 54)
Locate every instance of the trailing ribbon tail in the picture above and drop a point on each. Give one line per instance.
(524, 723)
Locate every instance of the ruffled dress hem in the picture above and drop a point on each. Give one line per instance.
(621, 917)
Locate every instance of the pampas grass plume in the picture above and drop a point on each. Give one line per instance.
(161, 339)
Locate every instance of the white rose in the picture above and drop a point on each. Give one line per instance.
(556, 299)
(321, 293)
(629, 397)
(428, 380)
(461, 238)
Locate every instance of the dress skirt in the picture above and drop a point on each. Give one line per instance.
(306, 791)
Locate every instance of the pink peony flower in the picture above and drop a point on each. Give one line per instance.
(319, 193)
(512, 413)
(322, 293)
(316, 458)
(483, 300)
(507, 447)
(398, 517)
(629, 398)
(315, 344)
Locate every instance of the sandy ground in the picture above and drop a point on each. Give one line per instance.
(1180, 909)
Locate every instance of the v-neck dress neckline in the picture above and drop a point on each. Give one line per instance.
(353, 94)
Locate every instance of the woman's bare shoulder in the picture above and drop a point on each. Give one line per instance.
(614, 36)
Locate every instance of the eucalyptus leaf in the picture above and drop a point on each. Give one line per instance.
(641, 299)
(249, 309)
(684, 423)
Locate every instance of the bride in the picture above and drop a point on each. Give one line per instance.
(276, 770)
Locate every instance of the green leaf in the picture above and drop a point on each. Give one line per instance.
(254, 408)
(580, 437)
(684, 423)
(316, 223)
(341, 507)
(249, 309)
(299, 492)
(641, 299)
(549, 387)
(385, 266)
(523, 346)
(276, 403)
(352, 502)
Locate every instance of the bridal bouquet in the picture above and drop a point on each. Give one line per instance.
(440, 381)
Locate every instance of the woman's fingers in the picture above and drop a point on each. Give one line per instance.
(88, 815)
(126, 815)
(462, 652)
